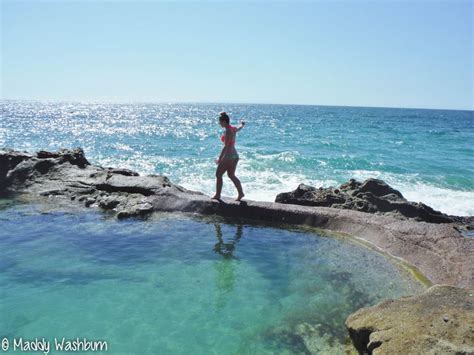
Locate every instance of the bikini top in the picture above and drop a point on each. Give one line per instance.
(231, 141)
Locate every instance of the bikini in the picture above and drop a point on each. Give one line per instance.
(231, 142)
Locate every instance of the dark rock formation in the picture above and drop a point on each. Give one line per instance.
(372, 196)
(439, 321)
(9, 159)
(439, 251)
(67, 173)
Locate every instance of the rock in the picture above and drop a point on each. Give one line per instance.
(89, 201)
(43, 154)
(28, 170)
(138, 210)
(109, 202)
(375, 186)
(310, 196)
(145, 185)
(74, 156)
(439, 321)
(305, 338)
(439, 251)
(372, 196)
(9, 159)
(125, 172)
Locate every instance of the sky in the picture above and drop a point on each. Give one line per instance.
(349, 53)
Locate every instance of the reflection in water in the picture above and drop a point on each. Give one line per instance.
(225, 268)
(223, 248)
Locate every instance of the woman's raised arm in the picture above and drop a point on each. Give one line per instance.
(241, 125)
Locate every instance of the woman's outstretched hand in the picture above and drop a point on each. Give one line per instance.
(242, 124)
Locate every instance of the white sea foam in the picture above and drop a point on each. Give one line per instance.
(449, 201)
(265, 185)
(460, 203)
(286, 156)
(258, 185)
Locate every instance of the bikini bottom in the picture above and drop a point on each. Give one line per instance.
(231, 156)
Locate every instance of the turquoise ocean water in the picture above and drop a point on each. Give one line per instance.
(426, 154)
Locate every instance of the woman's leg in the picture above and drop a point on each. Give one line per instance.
(235, 179)
(221, 168)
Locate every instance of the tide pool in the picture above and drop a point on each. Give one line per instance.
(176, 284)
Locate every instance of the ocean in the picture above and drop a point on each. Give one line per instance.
(426, 154)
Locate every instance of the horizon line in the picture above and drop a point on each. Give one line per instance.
(89, 101)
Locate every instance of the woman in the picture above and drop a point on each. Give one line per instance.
(229, 158)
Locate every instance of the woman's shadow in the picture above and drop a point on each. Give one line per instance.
(225, 267)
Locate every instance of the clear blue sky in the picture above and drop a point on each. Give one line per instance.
(372, 53)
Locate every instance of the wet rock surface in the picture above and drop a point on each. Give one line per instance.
(371, 196)
(439, 321)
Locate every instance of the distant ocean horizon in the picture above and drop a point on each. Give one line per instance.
(198, 102)
(427, 154)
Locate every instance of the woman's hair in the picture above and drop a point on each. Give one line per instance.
(223, 116)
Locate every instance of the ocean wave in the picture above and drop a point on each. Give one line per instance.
(453, 202)
(286, 156)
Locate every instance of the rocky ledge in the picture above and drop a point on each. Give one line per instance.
(440, 321)
(438, 250)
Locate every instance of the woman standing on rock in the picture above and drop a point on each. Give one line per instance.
(229, 158)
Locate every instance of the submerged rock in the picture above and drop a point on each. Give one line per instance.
(372, 196)
(305, 338)
(439, 321)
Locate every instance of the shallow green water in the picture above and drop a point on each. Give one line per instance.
(180, 285)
